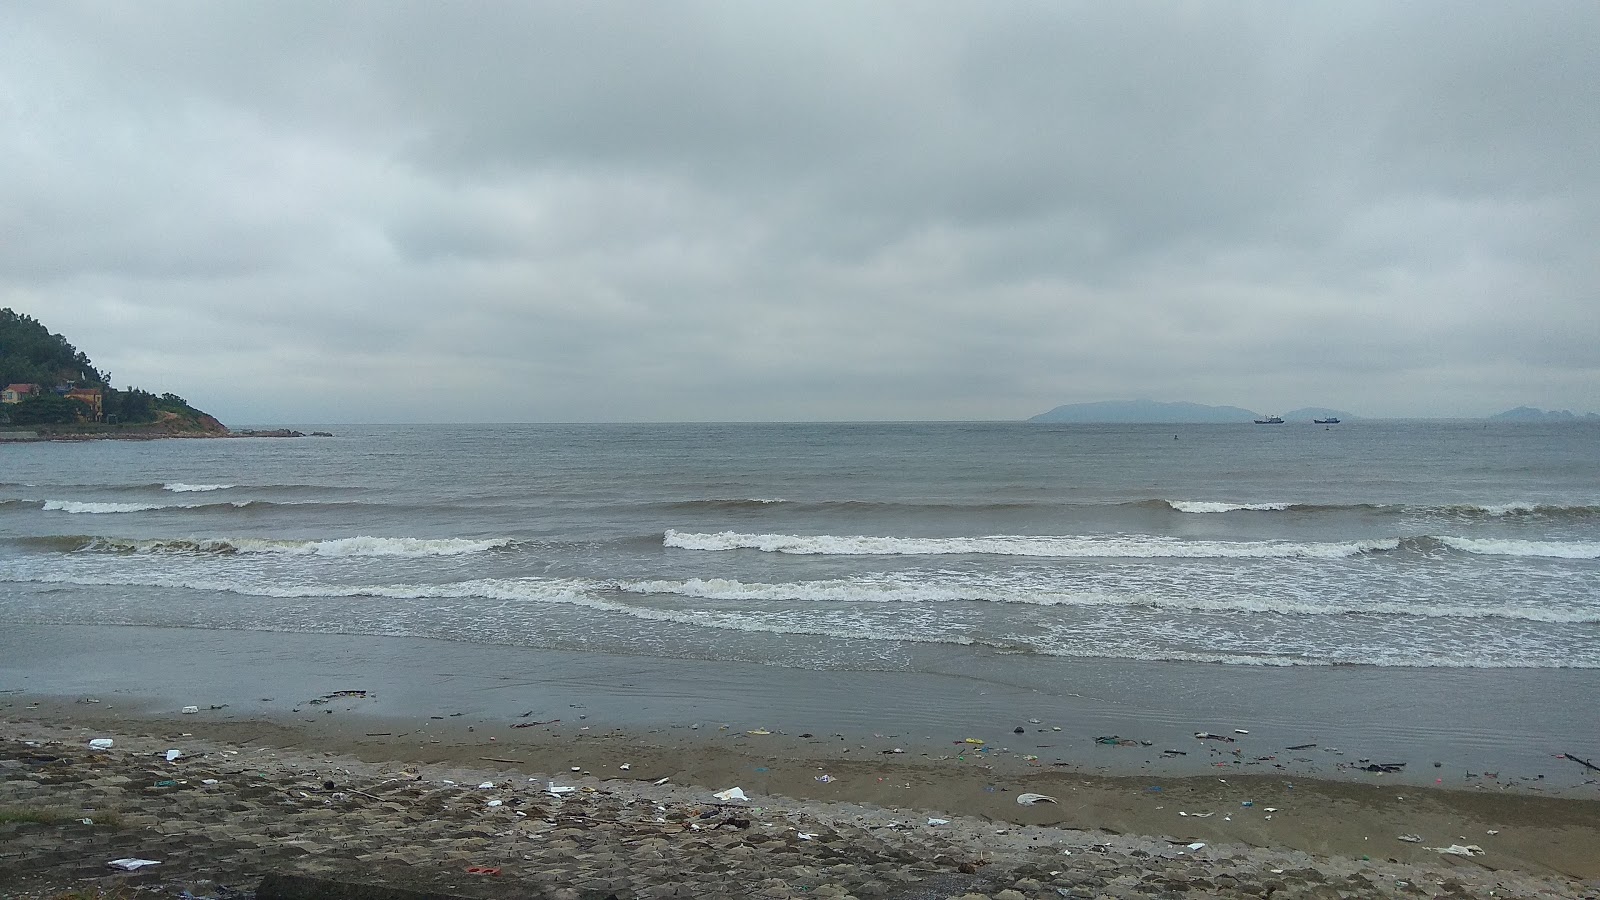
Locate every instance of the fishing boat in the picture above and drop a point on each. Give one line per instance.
(1270, 420)
(1331, 420)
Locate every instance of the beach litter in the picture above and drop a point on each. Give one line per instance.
(1459, 850)
(937, 822)
(132, 863)
(825, 779)
(101, 744)
(1197, 845)
(1411, 838)
(1208, 736)
(190, 710)
(732, 793)
(559, 789)
(1031, 799)
(174, 755)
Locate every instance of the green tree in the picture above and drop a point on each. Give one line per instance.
(49, 409)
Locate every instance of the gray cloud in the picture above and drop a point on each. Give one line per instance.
(399, 211)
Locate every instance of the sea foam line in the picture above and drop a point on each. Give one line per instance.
(363, 545)
(1105, 546)
(896, 591)
(1217, 506)
(577, 593)
(1512, 547)
(96, 508)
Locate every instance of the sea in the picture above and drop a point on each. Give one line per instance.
(941, 547)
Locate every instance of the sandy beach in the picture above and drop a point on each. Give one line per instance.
(401, 801)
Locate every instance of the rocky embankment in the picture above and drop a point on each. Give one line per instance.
(226, 821)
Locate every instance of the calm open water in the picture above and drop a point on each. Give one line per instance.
(911, 547)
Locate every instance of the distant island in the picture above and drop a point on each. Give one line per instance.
(1152, 412)
(52, 391)
(1533, 414)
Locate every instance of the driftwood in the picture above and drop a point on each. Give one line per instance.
(1582, 762)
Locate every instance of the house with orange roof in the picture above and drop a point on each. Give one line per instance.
(90, 397)
(16, 393)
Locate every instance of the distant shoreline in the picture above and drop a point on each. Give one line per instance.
(38, 437)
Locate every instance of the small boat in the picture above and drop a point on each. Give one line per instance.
(1270, 420)
(1331, 420)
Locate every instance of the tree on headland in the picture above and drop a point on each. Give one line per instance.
(31, 355)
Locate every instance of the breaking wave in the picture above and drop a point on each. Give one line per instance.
(1108, 546)
(92, 508)
(897, 591)
(178, 487)
(1512, 547)
(1212, 506)
(352, 546)
(1513, 509)
(511, 592)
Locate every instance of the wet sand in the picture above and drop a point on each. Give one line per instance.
(1487, 731)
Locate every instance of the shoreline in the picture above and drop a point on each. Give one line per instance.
(1484, 731)
(42, 438)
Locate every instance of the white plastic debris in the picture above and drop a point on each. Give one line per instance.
(1459, 850)
(625, 767)
(101, 744)
(209, 781)
(1031, 799)
(1411, 838)
(174, 755)
(1240, 731)
(1197, 845)
(732, 793)
(660, 781)
(486, 786)
(190, 710)
(496, 803)
(87, 821)
(559, 788)
(132, 863)
(938, 821)
(805, 836)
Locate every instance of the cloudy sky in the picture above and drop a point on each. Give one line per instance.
(391, 211)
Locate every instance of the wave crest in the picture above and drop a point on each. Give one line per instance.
(1106, 546)
(352, 546)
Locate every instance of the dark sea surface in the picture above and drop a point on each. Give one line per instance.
(899, 547)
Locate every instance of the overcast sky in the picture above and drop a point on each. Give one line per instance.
(591, 211)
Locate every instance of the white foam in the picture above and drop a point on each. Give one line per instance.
(1044, 594)
(1105, 546)
(354, 546)
(178, 487)
(1215, 506)
(1510, 547)
(74, 506)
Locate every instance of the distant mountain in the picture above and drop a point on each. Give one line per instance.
(1307, 413)
(1533, 414)
(1144, 411)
